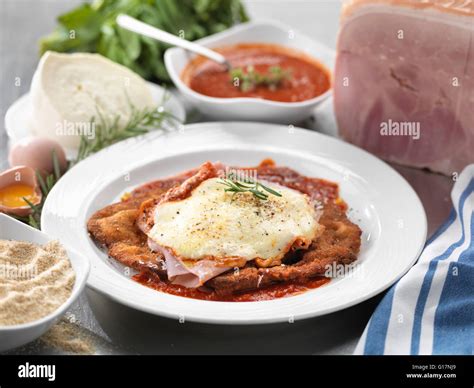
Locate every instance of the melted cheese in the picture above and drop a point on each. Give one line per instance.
(214, 224)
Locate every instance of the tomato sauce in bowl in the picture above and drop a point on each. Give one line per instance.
(307, 78)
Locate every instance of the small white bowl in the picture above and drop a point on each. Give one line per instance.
(17, 335)
(253, 109)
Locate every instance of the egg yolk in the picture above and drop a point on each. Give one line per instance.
(12, 196)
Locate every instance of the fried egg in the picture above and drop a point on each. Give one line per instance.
(234, 228)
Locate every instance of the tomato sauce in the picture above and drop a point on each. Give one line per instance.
(267, 293)
(308, 78)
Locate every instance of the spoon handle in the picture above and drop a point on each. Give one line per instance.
(139, 27)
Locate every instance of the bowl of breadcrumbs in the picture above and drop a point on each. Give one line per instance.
(39, 280)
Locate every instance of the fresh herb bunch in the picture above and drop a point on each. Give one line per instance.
(247, 186)
(91, 27)
(249, 79)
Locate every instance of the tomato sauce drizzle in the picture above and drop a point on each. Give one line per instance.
(275, 291)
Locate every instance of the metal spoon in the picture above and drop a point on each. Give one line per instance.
(132, 24)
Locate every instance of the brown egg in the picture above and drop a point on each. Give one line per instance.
(36, 152)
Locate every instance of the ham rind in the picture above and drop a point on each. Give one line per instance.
(190, 277)
(409, 65)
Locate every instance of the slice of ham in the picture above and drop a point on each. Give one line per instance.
(408, 63)
(191, 277)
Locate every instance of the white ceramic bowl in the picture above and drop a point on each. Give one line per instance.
(17, 335)
(252, 109)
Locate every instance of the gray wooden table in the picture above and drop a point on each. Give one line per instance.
(119, 329)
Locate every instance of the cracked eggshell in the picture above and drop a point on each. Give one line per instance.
(16, 175)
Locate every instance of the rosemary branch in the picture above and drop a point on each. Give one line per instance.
(247, 185)
(108, 132)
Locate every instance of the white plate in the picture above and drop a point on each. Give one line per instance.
(17, 335)
(383, 205)
(270, 32)
(18, 116)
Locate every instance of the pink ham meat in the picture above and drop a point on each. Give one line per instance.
(406, 64)
(190, 277)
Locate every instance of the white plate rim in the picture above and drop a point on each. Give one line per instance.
(49, 220)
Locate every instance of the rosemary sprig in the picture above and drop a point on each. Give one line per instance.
(247, 185)
(108, 132)
(249, 79)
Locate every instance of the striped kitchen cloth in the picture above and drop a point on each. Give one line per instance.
(431, 309)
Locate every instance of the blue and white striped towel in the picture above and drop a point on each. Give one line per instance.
(431, 309)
